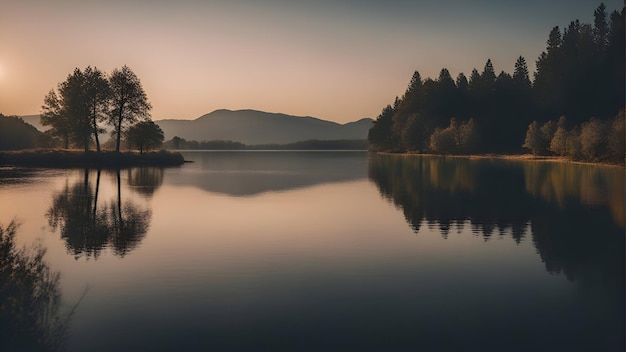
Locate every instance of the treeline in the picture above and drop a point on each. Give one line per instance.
(579, 75)
(88, 100)
(594, 140)
(178, 143)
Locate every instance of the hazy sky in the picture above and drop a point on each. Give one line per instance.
(338, 60)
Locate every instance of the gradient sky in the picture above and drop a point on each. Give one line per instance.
(337, 60)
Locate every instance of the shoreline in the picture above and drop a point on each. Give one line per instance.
(515, 157)
(62, 158)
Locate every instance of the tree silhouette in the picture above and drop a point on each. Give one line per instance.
(128, 100)
(579, 75)
(53, 115)
(145, 135)
(381, 135)
(68, 111)
(98, 94)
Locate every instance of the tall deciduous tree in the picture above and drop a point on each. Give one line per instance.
(53, 115)
(97, 93)
(129, 102)
(68, 111)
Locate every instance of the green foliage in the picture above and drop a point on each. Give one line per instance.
(145, 135)
(17, 134)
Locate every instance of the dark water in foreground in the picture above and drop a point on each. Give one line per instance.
(322, 251)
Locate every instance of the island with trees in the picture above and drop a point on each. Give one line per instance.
(574, 107)
(78, 113)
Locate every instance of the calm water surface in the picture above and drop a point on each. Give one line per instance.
(325, 251)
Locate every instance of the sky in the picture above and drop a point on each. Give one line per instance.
(339, 60)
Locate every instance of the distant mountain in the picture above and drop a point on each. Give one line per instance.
(35, 121)
(258, 127)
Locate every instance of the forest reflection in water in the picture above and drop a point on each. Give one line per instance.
(530, 252)
(574, 212)
(88, 224)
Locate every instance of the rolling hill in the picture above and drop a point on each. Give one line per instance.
(258, 127)
(35, 121)
(253, 127)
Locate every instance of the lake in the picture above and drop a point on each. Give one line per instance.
(321, 251)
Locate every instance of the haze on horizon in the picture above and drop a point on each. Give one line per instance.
(337, 60)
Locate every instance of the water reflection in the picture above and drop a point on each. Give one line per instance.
(30, 298)
(145, 180)
(88, 224)
(245, 173)
(588, 184)
(571, 209)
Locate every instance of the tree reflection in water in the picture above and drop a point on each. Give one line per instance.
(88, 226)
(30, 298)
(571, 210)
(145, 180)
(573, 213)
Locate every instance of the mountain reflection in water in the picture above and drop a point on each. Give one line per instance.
(247, 173)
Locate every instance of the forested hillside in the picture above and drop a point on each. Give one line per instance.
(580, 75)
(17, 134)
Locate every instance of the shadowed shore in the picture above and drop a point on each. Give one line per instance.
(75, 158)
(522, 157)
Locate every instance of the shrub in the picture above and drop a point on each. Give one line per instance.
(616, 138)
(534, 139)
(558, 144)
(593, 139)
(445, 141)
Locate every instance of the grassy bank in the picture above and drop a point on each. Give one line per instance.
(75, 158)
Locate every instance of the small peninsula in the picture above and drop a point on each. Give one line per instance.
(75, 158)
